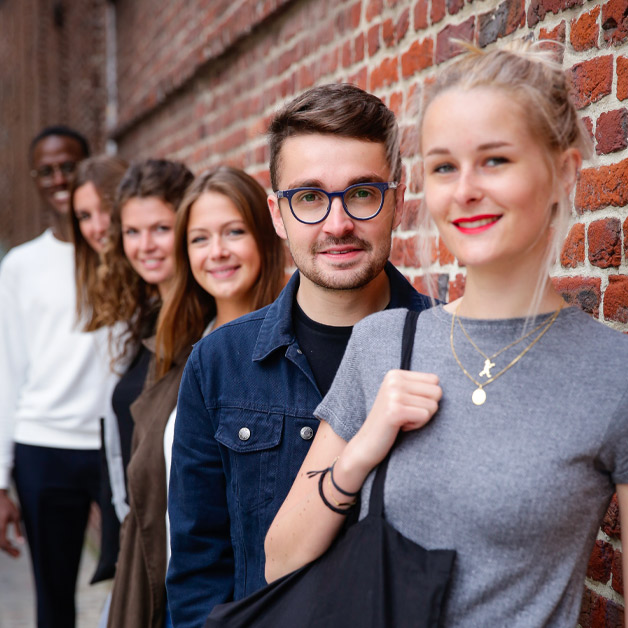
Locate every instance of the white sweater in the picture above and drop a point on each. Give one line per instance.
(55, 381)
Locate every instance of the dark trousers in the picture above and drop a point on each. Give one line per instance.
(55, 488)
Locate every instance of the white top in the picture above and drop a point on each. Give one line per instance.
(168, 440)
(55, 381)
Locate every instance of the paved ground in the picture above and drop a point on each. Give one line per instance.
(17, 600)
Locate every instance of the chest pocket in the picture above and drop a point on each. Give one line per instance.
(253, 439)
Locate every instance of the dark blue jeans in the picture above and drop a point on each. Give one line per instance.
(55, 488)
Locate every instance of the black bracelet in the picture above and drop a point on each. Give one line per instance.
(321, 492)
(331, 473)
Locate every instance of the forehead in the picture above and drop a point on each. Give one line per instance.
(56, 148)
(330, 161)
(146, 210)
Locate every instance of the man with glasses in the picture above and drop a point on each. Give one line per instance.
(244, 422)
(53, 388)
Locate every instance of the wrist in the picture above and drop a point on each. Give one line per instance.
(351, 469)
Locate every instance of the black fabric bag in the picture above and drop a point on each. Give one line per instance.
(371, 577)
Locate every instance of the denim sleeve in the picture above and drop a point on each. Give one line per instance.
(200, 573)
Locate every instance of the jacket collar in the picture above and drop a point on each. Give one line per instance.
(277, 330)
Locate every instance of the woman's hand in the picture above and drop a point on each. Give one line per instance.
(406, 401)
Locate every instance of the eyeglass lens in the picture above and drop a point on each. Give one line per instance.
(46, 173)
(311, 205)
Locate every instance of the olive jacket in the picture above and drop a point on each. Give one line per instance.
(139, 589)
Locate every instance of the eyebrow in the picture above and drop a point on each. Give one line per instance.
(486, 146)
(317, 183)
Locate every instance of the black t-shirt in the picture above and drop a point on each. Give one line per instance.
(322, 345)
(127, 390)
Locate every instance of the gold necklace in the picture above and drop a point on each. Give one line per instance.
(479, 395)
(488, 361)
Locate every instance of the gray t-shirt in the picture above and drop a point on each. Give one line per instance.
(517, 486)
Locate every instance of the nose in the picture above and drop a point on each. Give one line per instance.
(338, 222)
(468, 189)
(217, 248)
(147, 243)
(58, 178)
(101, 223)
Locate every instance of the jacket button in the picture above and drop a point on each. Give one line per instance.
(307, 433)
(244, 433)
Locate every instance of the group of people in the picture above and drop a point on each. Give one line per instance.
(156, 302)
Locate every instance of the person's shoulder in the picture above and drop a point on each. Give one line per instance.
(594, 332)
(381, 323)
(240, 330)
(23, 255)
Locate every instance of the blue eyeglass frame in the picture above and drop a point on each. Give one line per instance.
(381, 186)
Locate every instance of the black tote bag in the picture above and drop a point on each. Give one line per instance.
(371, 577)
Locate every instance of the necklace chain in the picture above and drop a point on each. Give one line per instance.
(479, 395)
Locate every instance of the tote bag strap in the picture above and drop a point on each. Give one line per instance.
(376, 503)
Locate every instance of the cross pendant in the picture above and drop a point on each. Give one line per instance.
(488, 365)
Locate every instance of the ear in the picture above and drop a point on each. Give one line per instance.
(568, 167)
(275, 214)
(399, 205)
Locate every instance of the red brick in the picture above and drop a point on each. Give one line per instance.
(454, 6)
(358, 48)
(540, 8)
(611, 131)
(445, 47)
(444, 254)
(420, 15)
(600, 187)
(600, 562)
(410, 218)
(501, 21)
(585, 292)
(616, 299)
(456, 287)
(386, 73)
(396, 102)
(419, 56)
(585, 32)
(622, 78)
(409, 140)
(411, 253)
(414, 100)
(433, 284)
(588, 123)
(598, 612)
(437, 12)
(591, 80)
(388, 33)
(604, 238)
(359, 78)
(402, 25)
(373, 39)
(556, 34)
(346, 54)
(573, 248)
(397, 251)
(373, 9)
(617, 572)
(615, 21)
(610, 523)
(415, 184)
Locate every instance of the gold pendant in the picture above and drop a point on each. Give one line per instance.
(478, 397)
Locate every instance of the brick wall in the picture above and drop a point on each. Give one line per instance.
(199, 80)
(53, 72)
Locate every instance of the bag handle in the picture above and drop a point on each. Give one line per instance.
(376, 503)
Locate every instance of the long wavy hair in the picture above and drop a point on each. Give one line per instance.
(104, 173)
(189, 308)
(128, 299)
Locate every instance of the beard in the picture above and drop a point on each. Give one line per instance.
(343, 276)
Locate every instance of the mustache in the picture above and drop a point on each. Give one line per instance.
(348, 240)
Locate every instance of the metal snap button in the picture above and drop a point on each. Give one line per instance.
(307, 433)
(244, 433)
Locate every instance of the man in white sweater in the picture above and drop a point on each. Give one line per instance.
(53, 388)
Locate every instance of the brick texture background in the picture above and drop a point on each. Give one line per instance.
(198, 80)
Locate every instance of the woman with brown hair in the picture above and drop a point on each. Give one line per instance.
(229, 261)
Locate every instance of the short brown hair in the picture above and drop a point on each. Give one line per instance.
(338, 109)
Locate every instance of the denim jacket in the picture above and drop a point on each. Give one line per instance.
(244, 425)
